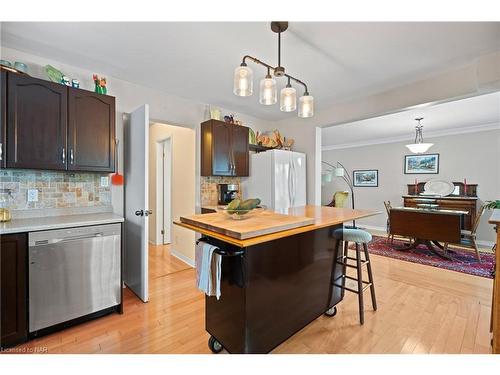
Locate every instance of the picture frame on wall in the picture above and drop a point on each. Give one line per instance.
(365, 178)
(422, 164)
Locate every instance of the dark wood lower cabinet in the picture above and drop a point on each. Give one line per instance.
(13, 263)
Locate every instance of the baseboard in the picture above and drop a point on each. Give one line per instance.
(183, 258)
(482, 243)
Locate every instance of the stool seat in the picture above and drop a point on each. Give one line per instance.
(353, 235)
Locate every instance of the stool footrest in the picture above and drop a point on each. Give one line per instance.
(366, 285)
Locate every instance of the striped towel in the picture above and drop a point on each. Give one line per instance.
(208, 269)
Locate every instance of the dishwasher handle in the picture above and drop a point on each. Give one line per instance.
(66, 239)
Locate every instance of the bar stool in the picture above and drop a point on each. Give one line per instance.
(359, 237)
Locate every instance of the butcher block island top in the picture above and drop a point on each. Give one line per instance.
(266, 226)
(265, 222)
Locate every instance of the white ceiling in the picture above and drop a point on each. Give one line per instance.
(479, 112)
(337, 60)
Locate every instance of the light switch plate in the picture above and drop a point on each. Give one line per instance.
(32, 195)
(104, 181)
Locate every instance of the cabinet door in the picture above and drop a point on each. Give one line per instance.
(13, 258)
(91, 131)
(3, 116)
(221, 149)
(239, 145)
(36, 123)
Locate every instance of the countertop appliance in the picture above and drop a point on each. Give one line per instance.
(73, 273)
(278, 178)
(226, 193)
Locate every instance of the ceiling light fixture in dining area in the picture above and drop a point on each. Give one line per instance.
(419, 147)
(268, 92)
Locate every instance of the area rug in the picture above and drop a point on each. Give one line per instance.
(463, 261)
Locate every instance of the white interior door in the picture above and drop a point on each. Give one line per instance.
(167, 191)
(136, 154)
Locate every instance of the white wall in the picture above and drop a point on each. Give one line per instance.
(480, 76)
(474, 156)
(183, 183)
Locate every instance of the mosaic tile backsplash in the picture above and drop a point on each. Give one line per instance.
(56, 190)
(209, 188)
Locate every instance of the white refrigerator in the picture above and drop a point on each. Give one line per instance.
(278, 178)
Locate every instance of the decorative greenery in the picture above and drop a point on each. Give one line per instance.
(492, 204)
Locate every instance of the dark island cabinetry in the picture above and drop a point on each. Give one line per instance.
(224, 149)
(13, 258)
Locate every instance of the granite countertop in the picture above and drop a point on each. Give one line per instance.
(58, 222)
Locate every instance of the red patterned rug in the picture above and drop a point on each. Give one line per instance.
(463, 261)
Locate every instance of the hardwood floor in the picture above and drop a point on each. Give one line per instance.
(162, 263)
(421, 310)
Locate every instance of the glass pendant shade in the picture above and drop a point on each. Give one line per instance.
(419, 148)
(268, 92)
(243, 81)
(306, 106)
(288, 99)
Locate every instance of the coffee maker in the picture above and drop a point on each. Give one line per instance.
(226, 193)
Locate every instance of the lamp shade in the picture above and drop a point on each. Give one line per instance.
(243, 81)
(419, 148)
(306, 106)
(326, 177)
(288, 99)
(339, 172)
(268, 94)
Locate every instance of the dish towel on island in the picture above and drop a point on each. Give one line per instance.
(208, 269)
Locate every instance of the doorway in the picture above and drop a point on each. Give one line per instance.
(171, 195)
(164, 191)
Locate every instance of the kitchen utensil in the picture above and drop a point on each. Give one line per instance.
(439, 187)
(116, 178)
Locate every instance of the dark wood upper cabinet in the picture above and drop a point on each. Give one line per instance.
(224, 149)
(36, 123)
(91, 131)
(3, 116)
(45, 125)
(240, 150)
(13, 289)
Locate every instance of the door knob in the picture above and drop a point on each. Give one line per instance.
(139, 213)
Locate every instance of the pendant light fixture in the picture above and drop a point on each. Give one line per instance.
(419, 147)
(243, 82)
(268, 92)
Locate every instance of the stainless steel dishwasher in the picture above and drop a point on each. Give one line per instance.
(72, 273)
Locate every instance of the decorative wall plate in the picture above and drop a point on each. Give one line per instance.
(439, 187)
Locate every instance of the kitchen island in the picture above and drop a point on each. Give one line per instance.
(275, 284)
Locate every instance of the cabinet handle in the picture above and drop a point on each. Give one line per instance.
(63, 155)
(71, 158)
(1, 151)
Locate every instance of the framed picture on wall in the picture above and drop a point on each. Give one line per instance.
(422, 164)
(365, 178)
